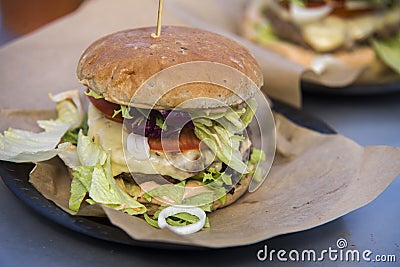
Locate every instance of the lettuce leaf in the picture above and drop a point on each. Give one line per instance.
(223, 132)
(256, 156)
(172, 193)
(257, 171)
(388, 51)
(69, 108)
(124, 110)
(94, 177)
(264, 33)
(180, 219)
(71, 136)
(80, 185)
(203, 200)
(105, 190)
(93, 94)
(151, 221)
(89, 153)
(25, 146)
(215, 180)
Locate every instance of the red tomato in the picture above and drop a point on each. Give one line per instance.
(339, 7)
(187, 141)
(107, 108)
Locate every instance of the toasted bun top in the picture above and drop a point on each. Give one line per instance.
(117, 65)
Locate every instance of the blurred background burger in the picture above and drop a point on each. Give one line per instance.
(359, 33)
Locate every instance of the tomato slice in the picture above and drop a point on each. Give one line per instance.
(187, 141)
(107, 108)
(339, 7)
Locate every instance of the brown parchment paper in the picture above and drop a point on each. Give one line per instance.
(315, 179)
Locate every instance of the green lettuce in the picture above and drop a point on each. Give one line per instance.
(180, 219)
(93, 94)
(71, 136)
(388, 51)
(222, 133)
(25, 146)
(80, 186)
(256, 171)
(203, 200)
(215, 180)
(94, 178)
(173, 193)
(104, 190)
(160, 122)
(124, 110)
(264, 33)
(90, 153)
(256, 156)
(69, 108)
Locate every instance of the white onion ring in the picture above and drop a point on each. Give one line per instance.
(138, 146)
(182, 230)
(303, 14)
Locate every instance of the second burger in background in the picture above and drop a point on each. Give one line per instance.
(359, 33)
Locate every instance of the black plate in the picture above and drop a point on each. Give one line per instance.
(354, 89)
(15, 176)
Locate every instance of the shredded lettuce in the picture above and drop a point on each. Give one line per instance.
(71, 136)
(104, 190)
(180, 219)
(257, 171)
(90, 153)
(80, 186)
(94, 178)
(69, 108)
(256, 156)
(160, 122)
(171, 193)
(124, 110)
(389, 51)
(215, 180)
(150, 220)
(25, 146)
(264, 33)
(203, 200)
(93, 94)
(222, 134)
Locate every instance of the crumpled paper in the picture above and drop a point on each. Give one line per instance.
(315, 179)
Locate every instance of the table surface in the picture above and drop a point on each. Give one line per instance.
(28, 239)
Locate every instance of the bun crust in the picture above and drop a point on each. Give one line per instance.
(116, 65)
(363, 57)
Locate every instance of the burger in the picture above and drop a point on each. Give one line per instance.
(362, 34)
(147, 135)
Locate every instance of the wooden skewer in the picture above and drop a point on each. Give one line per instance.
(158, 32)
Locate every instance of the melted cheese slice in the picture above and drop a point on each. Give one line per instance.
(109, 135)
(333, 32)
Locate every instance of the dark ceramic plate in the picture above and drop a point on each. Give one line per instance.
(360, 89)
(15, 176)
